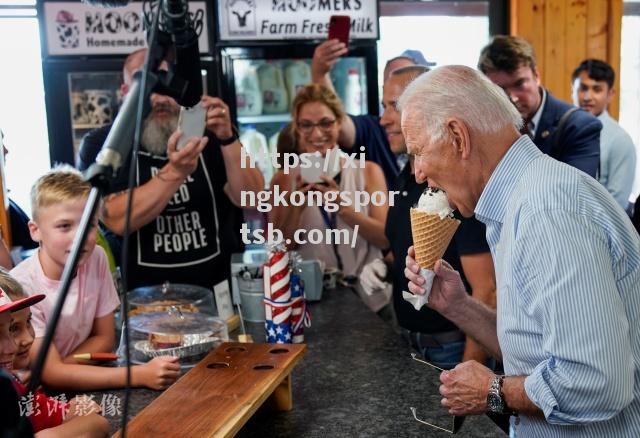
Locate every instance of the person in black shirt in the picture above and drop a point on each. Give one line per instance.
(436, 338)
(183, 225)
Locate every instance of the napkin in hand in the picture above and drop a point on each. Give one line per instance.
(417, 301)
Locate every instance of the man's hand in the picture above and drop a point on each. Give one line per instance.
(447, 293)
(464, 389)
(324, 58)
(159, 373)
(182, 163)
(373, 275)
(218, 119)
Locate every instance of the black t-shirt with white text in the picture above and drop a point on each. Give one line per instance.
(192, 239)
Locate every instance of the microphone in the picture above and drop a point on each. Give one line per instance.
(187, 54)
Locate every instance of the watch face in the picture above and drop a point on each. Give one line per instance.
(495, 402)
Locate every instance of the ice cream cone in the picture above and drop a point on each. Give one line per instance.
(431, 236)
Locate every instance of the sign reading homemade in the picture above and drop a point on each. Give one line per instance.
(75, 28)
(293, 19)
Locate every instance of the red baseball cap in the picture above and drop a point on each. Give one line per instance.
(6, 305)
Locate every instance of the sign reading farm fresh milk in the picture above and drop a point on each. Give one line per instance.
(293, 19)
(76, 28)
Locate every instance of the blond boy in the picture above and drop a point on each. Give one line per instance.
(87, 321)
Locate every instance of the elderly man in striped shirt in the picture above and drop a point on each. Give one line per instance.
(567, 263)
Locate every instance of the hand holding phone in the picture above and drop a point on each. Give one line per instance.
(192, 123)
(339, 28)
(314, 166)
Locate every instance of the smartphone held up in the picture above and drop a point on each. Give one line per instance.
(192, 123)
(339, 26)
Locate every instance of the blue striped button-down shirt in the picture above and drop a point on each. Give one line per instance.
(567, 262)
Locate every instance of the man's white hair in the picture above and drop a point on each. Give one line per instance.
(461, 92)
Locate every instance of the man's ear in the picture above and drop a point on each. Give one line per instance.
(459, 136)
(34, 231)
(124, 89)
(610, 94)
(536, 75)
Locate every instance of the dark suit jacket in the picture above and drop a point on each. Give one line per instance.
(580, 138)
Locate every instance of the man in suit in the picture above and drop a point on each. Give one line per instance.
(510, 63)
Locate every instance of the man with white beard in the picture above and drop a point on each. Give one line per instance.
(183, 220)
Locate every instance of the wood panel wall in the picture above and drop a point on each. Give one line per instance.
(565, 32)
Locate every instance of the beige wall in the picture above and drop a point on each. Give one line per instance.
(564, 32)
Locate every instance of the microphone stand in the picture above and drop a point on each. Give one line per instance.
(124, 134)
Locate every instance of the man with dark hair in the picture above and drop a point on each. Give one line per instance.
(592, 84)
(510, 63)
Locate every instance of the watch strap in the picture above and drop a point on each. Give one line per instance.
(228, 141)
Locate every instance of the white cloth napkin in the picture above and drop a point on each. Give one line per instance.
(417, 301)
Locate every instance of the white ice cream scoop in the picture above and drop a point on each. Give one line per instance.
(434, 201)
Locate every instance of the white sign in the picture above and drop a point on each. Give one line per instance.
(223, 300)
(293, 19)
(75, 28)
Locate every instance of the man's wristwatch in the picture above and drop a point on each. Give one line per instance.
(495, 398)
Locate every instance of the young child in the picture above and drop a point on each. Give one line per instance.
(86, 324)
(54, 417)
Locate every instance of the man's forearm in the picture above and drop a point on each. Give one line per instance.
(149, 200)
(516, 397)
(478, 321)
(472, 349)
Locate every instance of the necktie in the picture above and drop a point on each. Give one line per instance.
(525, 128)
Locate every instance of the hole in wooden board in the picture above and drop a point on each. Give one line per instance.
(216, 365)
(263, 367)
(235, 349)
(278, 351)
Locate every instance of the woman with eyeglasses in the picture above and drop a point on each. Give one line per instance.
(316, 117)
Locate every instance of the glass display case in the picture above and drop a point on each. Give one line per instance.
(264, 94)
(173, 320)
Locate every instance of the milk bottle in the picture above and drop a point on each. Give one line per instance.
(353, 93)
(248, 96)
(297, 74)
(255, 143)
(274, 93)
(273, 143)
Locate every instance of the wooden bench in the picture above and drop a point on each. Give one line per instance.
(219, 395)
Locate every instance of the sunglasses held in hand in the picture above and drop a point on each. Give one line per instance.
(456, 421)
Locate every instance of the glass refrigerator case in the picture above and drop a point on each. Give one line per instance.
(263, 83)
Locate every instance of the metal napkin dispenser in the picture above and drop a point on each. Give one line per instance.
(312, 276)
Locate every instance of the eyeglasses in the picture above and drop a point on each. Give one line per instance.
(306, 127)
(456, 421)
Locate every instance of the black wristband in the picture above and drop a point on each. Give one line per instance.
(228, 141)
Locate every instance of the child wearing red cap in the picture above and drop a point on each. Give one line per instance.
(58, 418)
(86, 324)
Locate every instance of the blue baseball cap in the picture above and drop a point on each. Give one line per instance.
(417, 57)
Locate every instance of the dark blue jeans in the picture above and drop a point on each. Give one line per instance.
(446, 356)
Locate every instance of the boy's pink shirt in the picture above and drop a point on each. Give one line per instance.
(92, 295)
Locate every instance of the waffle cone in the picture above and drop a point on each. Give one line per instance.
(431, 236)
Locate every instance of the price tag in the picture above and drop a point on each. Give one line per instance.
(223, 300)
